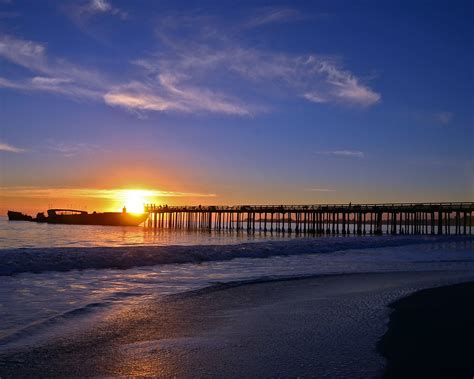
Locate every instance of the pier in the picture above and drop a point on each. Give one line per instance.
(360, 219)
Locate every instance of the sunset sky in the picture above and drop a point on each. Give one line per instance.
(238, 102)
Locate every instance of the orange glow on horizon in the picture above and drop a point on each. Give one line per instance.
(31, 199)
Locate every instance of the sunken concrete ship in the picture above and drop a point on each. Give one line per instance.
(79, 217)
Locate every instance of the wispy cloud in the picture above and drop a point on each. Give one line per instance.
(210, 56)
(269, 15)
(192, 74)
(110, 194)
(443, 118)
(315, 97)
(341, 85)
(317, 79)
(9, 148)
(123, 97)
(93, 7)
(50, 75)
(430, 117)
(344, 153)
(25, 53)
(71, 149)
(5, 83)
(53, 85)
(167, 93)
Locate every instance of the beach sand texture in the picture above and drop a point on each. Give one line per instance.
(325, 326)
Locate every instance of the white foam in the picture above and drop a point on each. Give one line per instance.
(36, 301)
(35, 260)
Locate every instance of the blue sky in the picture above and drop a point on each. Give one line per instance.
(237, 102)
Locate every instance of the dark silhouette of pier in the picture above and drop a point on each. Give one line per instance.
(394, 218)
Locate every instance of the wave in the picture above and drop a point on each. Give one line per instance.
(37, 260)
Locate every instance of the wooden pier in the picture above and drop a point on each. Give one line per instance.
(359, 219)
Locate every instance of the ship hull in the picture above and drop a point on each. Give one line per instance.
(17, 216)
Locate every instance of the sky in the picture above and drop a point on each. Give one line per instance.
(235, 102)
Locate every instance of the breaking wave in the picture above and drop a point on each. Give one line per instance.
(36, 260)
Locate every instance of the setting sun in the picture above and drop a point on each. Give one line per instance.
(134, 200)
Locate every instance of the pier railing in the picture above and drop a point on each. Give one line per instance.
(393, 218)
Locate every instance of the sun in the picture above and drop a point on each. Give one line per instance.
(134, 200)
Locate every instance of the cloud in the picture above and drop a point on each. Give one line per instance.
(25, 53)
(94, 7)
(9, 148)
(317, 79)
(138, 101)
(270, 15)
(344, 153)
(42, 81)
(71, 149)
(110, 194)
(342, 85)
(138, 96)
(50, 75)
(194, 98)
(53, 85)
(167, 94)
(5, 83)
(207, 71)
(433, 117)
(33, 56)
(100, 6)
(315, 97)
(443, 118)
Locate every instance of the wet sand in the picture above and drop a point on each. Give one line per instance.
(431, 334)
(325, 326)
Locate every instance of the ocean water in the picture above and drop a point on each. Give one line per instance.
(51, 275)
(24, 234)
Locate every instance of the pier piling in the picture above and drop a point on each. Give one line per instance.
(330, 219)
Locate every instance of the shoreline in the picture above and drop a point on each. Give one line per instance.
(306, 326)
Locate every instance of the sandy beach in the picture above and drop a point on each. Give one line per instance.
(324, 326)
(431, 334)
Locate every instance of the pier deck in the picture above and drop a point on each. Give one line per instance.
(393, 218)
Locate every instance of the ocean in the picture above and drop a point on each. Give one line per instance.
(51, 275)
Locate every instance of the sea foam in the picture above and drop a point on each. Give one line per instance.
(36, 260)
